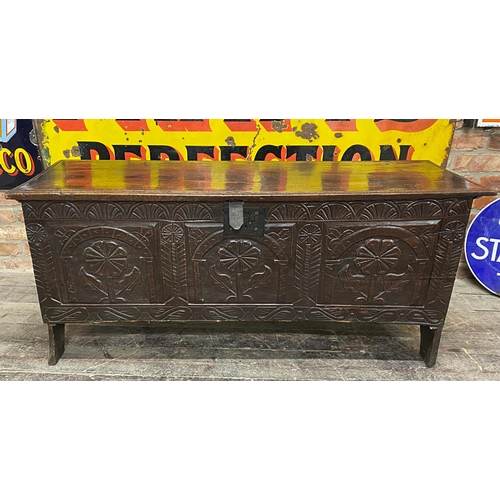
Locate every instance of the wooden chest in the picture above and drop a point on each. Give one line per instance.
(253, 241)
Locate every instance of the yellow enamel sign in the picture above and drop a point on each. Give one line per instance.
(247, 139)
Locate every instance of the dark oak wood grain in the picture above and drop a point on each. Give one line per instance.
(259, 181)
(150, 241)
(56, 342)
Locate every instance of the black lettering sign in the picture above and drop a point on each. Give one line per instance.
(388, 153)
(268, 149)
(98, 147)
(328, 153)
(363, 151)
(194, 151)
(302, 152)
(227, 151)
(155, 153)
(128, 148)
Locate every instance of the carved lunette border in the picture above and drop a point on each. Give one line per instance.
(337, 210)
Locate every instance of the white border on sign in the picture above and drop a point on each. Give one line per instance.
(465, 246)
(481, 122)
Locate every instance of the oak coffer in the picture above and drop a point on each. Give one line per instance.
(236, 241)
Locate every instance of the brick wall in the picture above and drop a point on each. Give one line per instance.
(14, 249)
(475, 154)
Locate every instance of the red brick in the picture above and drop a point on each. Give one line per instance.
(3, 201)
(14, 232)
(467, 142)
(490, 181)
(478, 163)
(10, 248)
(479, 203)
(20, 216)
(494, 143)
(6, 215)
(19, 263)
(26, 247)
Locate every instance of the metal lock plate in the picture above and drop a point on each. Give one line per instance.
(241, 220)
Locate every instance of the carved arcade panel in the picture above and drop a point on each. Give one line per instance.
(228, 269)
(103, 264)
(386, 264)
(368, 261)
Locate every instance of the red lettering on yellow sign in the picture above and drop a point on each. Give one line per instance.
(277, 125)
(184, 125)
(71, 125)
(133, 125)
(95, 155)
(342, 125)
(241, 125)
(5, 164)
(24, 162)
(18, 161)
(404, 125)
(133, 155)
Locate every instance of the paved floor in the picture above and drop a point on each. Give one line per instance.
(470, 346)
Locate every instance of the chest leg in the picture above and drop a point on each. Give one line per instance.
(429, 343)
(56, 342)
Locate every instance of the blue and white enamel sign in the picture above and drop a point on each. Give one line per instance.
(482, 247)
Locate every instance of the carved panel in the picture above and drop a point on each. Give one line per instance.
(378, 264)
(193, 211)
(107, 264)
(239, 270)
(273, 313)
(176, 313)
(226, 313)
(66, 314)
(100, 211)
(60, 210)
(422, 210)
(376, 315)
(335, 211)
(459, 207)
(173, 258)
(240, 312)
(230, 269)
(43, 263)
(30, 210)
(288, 212)
(97, 210)
(308, 262)
(373, 261)
(379, 210)
(448, 252)
(117, 313)
(153, 211)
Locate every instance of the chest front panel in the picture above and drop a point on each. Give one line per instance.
(336, 260)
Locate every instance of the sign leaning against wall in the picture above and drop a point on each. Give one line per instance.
(246, 139)
(19, 157)
(482, 247)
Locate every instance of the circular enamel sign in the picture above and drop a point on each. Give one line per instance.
(482, 247)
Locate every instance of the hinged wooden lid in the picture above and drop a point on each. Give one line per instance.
(248, 181)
